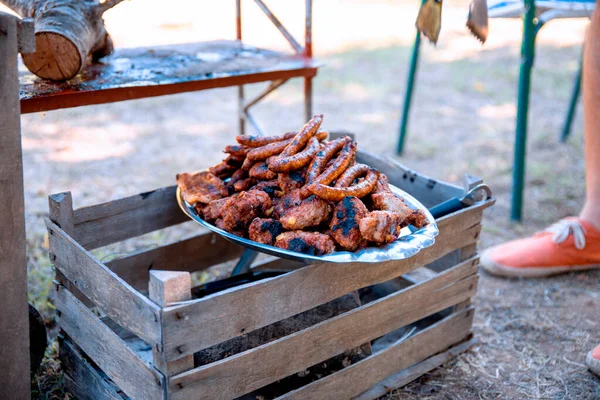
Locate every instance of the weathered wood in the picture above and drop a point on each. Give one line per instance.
(361, 376)
(122, 303)
(126, 218)
(277, 264)
(136, 378)
(14, 326)
(198, 325)
(81, 378)
(260, 366)
(67, 34)
(191, 255)
(61, 211)
(166, 288)
(413, 372)
(25, 36)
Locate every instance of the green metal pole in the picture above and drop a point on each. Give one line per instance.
(573, 105)
(414, 60)
(527, 57)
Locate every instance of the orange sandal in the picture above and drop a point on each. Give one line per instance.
(571, 244)
(593, 360)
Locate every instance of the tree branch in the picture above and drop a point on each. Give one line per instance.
(107, 5)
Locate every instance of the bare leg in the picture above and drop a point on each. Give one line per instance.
(591, 115)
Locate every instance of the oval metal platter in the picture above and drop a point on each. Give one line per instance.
(408, 244)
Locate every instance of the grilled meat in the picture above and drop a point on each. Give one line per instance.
(264, 230)
(344, 225)
(312, 243)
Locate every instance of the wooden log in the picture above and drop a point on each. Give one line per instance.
(198, 325)
(413, 372)
(82, 379)
(255, 368)
(14, 326)
(167, 288)
(191, 255)
(122, 303)
(136, 378)
(67, 34)
(359, 377)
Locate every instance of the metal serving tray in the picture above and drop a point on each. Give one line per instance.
(409, 243)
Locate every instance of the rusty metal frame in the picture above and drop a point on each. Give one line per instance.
(301, 51)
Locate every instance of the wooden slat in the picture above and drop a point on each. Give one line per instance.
(14, 324)
(260, 366)
(195, 326)
(122, 303)
(191, 255)
(413, 372)
(136, 378)
(359, 377)
(81, 378)
(165, 288)
(126, 218)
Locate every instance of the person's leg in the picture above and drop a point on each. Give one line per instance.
(591, 117)
(572, 244)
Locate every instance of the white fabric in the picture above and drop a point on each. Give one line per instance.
(565, 228)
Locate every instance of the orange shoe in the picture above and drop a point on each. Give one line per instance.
(593, 360)
(571, 244)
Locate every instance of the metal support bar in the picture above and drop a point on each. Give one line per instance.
(272, 86)
(412, 72)
(297, 47)
(248, 117)
(572, 104)
(527, 57)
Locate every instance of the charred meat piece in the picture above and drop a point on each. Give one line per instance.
(260, 171)
(313, 243)
(222, 170)
(388, 201)
(239, 211)
(201, 187)
(312, 211)
(269, 187)
(243, 184)
(221, 225)
(289, 200)
(416, 218)
(380, 226)
(292, 180)
(265, 230)
(344, 224)
(213, 210)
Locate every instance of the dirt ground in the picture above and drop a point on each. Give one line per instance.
(533, 334)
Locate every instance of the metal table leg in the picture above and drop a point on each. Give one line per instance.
(527, 57)
(572, 104)
(414, 60)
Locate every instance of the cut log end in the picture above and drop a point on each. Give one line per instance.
(55, 57)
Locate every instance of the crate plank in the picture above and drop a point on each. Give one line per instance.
(121, 364)
(413, 372)
(165, 288)
(81, 378)
(191, 255)
(122, 303)
(198, 325)
(258, 367)
(126, 218)
(359, 377)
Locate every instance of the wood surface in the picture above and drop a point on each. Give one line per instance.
(126, 218)
(413, 372)
(166, 288)
(200, 324)
(67, 34)
(191, 255)
(357, 378)
(14, 324)
(260, 366)
(136, 378)
(81, 378)
(122, 303)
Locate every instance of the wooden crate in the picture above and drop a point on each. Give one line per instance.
(131, 327)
